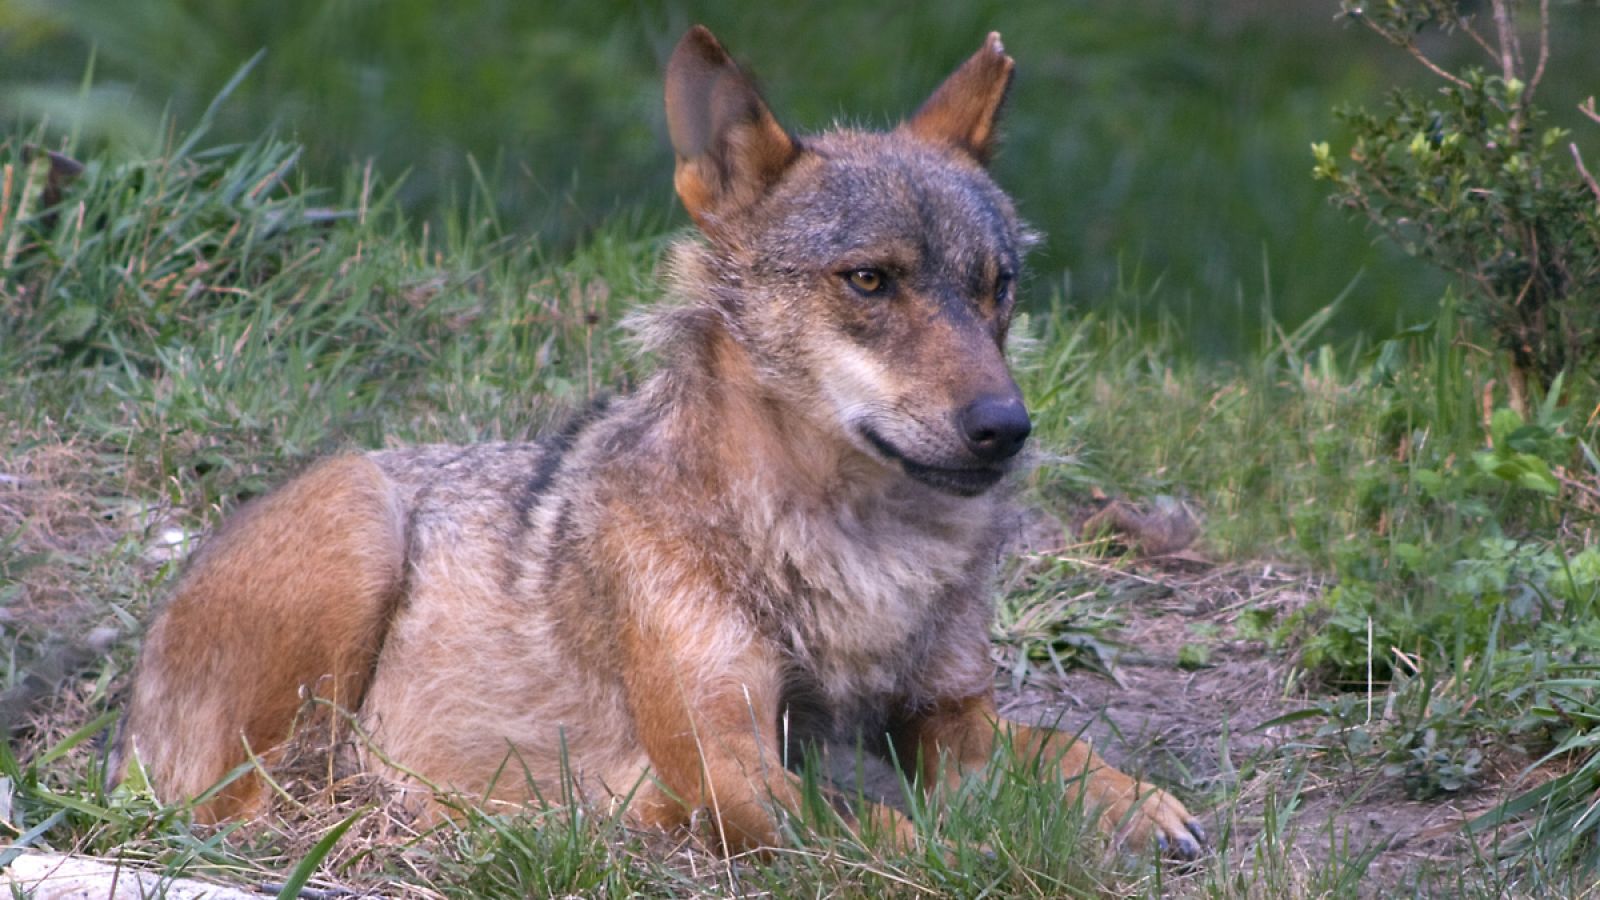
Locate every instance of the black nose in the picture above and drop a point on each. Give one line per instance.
(995, 427)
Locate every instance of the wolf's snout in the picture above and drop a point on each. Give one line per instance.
(995, 427)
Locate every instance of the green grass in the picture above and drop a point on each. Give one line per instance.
(1156, 136)
(186, 330)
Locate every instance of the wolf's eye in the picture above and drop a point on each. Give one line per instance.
(867, 281)
(1002, 287)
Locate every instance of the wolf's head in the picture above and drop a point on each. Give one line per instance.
(870, 277)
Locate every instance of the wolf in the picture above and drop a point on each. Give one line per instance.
(784, 537)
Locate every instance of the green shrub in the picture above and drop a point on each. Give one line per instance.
(1472, 181)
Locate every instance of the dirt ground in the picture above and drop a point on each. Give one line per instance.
(1201, 727)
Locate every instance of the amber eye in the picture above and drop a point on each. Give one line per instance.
(867, 281)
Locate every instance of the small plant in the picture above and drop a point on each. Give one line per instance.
(1431, 747)
(1421, 733)
(1042, 630)
(1470, 180)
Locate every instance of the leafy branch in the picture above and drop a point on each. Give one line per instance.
(1467, 179)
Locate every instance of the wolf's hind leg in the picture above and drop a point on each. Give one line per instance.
(296, 590)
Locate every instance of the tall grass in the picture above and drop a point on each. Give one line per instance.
(1156, 135)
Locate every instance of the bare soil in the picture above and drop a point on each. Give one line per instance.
(1202, 730)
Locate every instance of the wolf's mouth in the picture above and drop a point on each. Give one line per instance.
(963, 482)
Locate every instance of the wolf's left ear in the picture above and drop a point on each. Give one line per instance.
(964, 110)
(730, 148)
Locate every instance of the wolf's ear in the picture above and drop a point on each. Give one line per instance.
(964, 110)
(730, 149)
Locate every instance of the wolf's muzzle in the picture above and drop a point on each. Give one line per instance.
(994, 427)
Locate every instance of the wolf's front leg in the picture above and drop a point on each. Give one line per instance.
(957, 737)
(707, 720)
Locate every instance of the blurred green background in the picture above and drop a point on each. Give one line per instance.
(1161, 146)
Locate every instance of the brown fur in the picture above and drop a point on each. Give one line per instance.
(784, 539)
(235, 635)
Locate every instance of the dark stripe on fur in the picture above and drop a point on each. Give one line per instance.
(556, 447)
(538, 484)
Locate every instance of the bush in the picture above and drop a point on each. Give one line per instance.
(1469, 180)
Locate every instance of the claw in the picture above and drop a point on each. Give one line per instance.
(1159, 815)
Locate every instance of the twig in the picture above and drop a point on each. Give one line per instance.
(1587, 108)
(1465, 24)
(1433, 67)
(1511, 60)
(1510, 49)
(1587, 178)
(1110, 570)
(1408, 45)
(1576, 485)
(1544, 47)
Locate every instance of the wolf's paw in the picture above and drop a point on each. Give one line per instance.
(1175, 830)
(1158, 817)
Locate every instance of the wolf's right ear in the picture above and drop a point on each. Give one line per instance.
(730, 149)
(964, 111)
